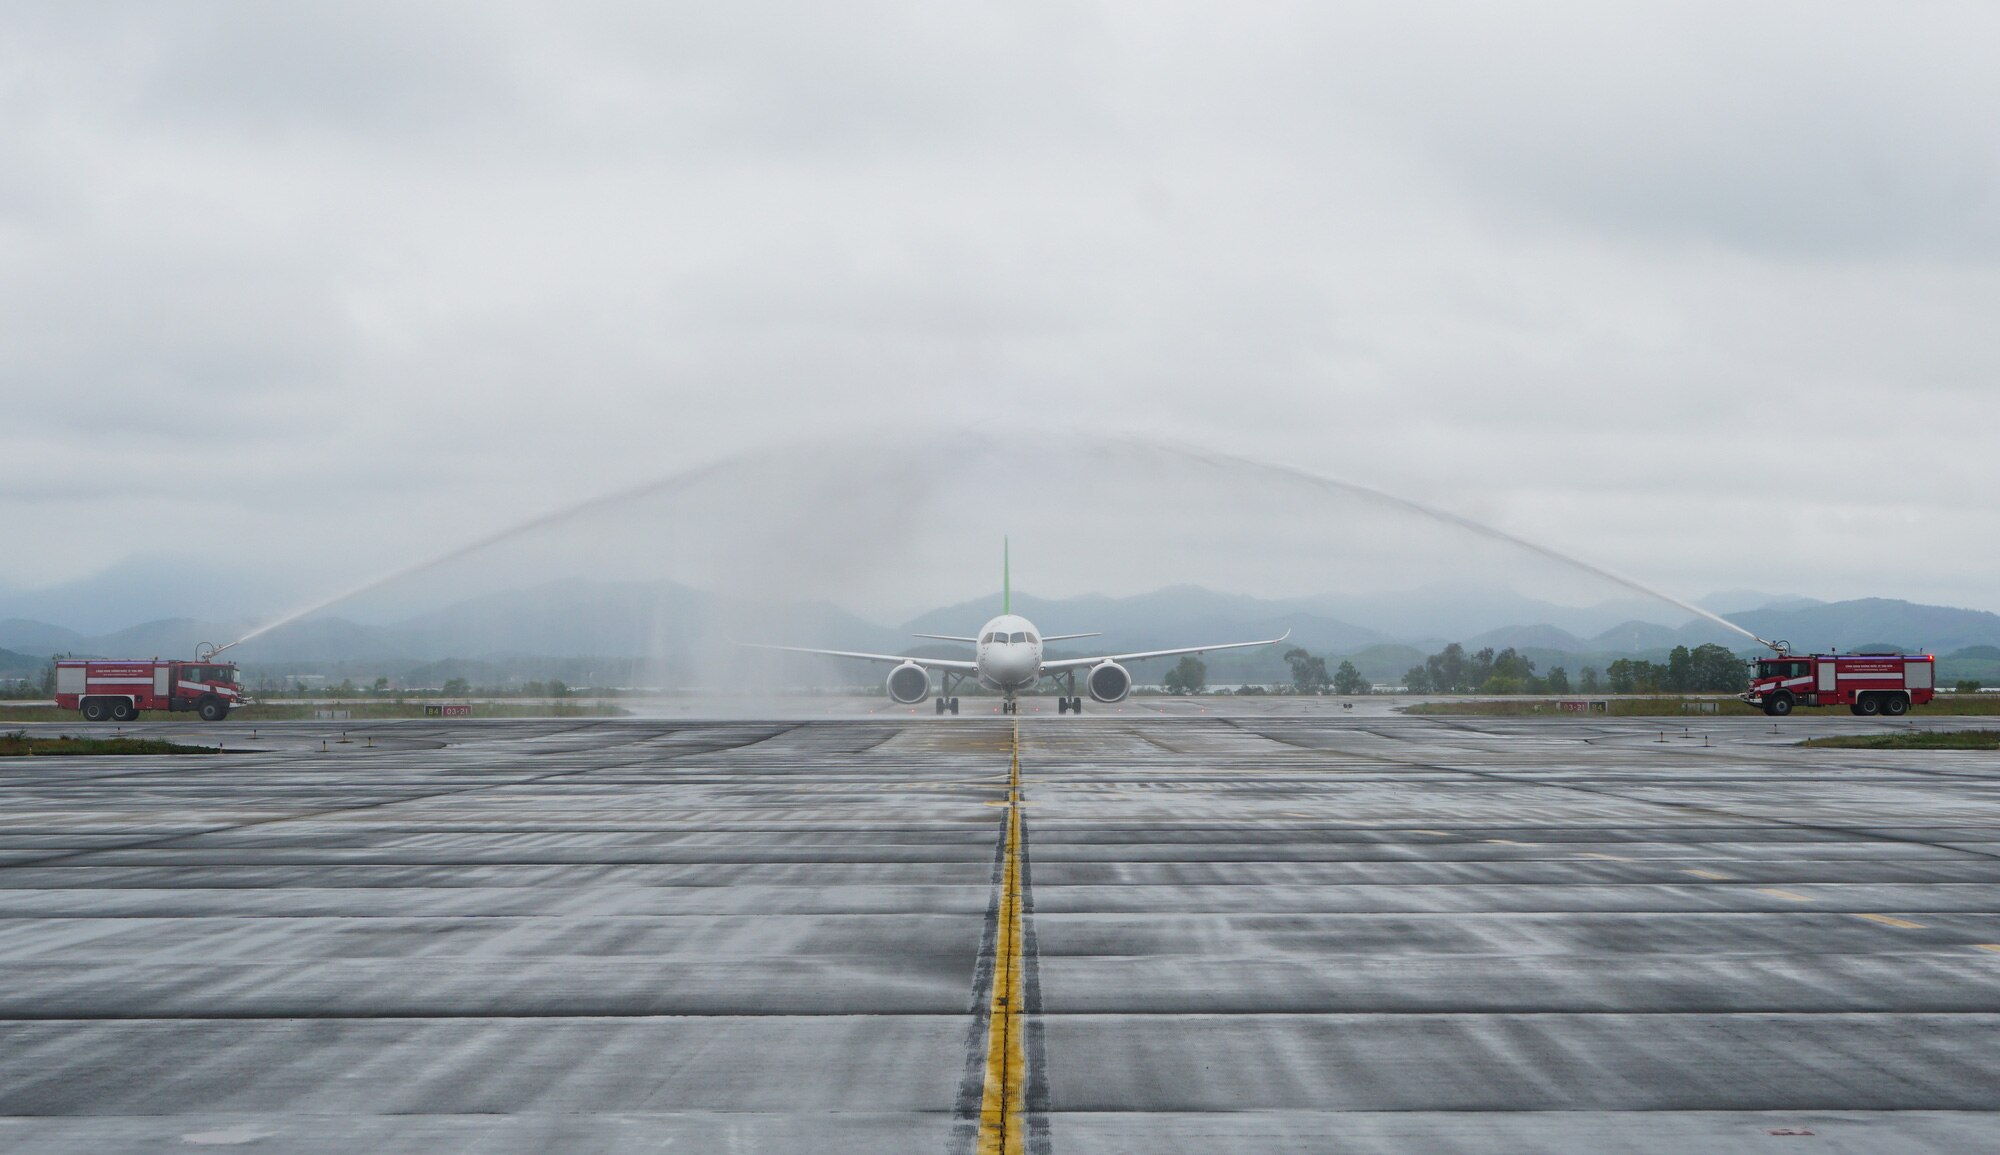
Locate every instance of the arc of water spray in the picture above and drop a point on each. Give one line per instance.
(1215, 458)
(603, 501)
(1210, 457)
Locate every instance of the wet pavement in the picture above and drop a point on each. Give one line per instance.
(1266, 928)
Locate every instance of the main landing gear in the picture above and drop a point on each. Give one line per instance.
(947, 705)
(1069, 705)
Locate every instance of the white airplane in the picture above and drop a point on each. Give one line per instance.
(1007, 657)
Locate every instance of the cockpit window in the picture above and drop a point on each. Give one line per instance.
(1017, 636)
(1029, 637)
(991, 638)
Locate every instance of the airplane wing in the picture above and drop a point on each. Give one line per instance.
(933, 663)
(948, 638)
(1079, 663)
(1068, 637)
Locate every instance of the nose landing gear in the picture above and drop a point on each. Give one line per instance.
(1010, 706)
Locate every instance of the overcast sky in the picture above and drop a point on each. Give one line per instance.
(1705, 292)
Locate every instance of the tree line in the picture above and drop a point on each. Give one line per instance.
(1309, 676)
(1705, 669)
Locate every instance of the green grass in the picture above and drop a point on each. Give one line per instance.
(1619, 707)
(11, 714)
(1667, 706)
(19, 745)
(1913, 740)
(1960, 704)
(362, 711)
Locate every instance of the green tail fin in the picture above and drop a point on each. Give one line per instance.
(1006, 580)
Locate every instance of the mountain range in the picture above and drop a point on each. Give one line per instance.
(633, 622)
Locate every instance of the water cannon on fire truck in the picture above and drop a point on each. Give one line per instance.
(121, 690)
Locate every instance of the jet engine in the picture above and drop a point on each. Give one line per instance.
(909, 683)
(1109, 682)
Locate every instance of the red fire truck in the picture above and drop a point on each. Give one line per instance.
(1887, 683)
(119, 690)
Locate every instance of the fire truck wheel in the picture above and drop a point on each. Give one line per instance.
(1778, 705)
(94, 709)
(1867, 704)
(213, 710)
(1895, 705)
(122, 711)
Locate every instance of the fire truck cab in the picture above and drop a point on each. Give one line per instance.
(1868, 684)
(120, 690)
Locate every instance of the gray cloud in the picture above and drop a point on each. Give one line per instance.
(1601, 274)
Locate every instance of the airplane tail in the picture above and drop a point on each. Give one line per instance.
(1006, 580)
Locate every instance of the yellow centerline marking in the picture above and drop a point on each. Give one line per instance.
(1885, 920)
(1605, 857)
(1716, 875)
(1992, 946)
(1002, 1108)
(1774, 892)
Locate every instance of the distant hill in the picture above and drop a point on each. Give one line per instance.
(13, 665)
(606, 626)
(1726, 602)
(35, 637)
(611, 620)
(1528, 638)
(1387, 664)
(1853, 624)
(1175, 616)
(1642, 637)
(155, 590)
(140, 589)
(1819, 627)
(1972, 664)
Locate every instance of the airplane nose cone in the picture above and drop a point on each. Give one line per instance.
(1014, 664)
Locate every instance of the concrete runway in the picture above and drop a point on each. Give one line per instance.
(1272, 929)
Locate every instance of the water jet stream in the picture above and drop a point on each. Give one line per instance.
(1214, 458)
(540, 521)
(1166, 450)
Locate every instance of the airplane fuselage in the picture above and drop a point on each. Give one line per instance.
(1008, 659)
(1009, 654)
